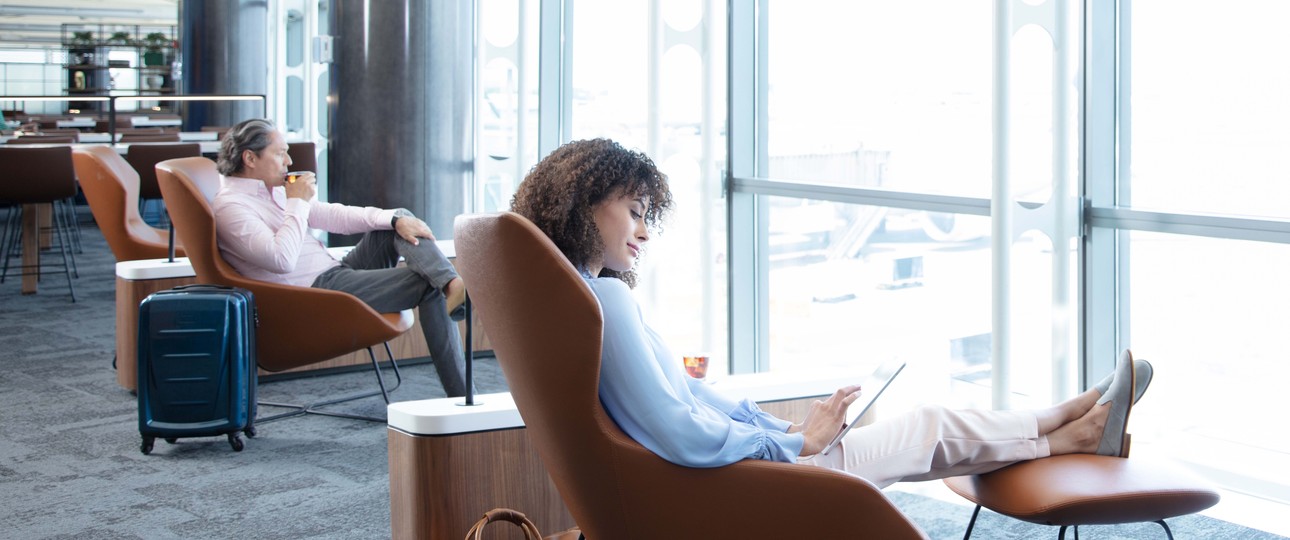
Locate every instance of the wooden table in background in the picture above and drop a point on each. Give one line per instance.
(36, 221)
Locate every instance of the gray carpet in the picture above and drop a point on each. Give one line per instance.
(70, 465)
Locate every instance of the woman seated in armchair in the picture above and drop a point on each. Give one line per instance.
(600, 204)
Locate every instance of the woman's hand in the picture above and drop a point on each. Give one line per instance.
(825, 419)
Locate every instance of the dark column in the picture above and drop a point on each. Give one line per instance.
(224, 49)
(402, 112)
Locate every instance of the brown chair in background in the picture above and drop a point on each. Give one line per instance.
(49, 122)
(298, 326)
(34, 177)
(545, 325)
(219, 131)
(73, 133)
(148, 137)
(111, 187)
(303, 157)
(42, 139)
(144, 157)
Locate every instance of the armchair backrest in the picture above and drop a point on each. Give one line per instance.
(111, 187)
(36, 174)
(144, 157)
(194, 181)
(545, 326)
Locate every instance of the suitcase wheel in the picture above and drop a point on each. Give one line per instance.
(146, 447)
(235, 441)
(171, 440)
(250, 432)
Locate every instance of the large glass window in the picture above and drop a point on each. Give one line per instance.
(1201, 141)
(1211, 315)
(853, 285)
(908, 81)
(651, 75)
(1209, 115)
(508, 99)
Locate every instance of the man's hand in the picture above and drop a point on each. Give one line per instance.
(412, 229)
(305, 187)
(825, 419)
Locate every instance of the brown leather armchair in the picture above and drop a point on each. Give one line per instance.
(111, 187)
(298, 325)
(545, 325)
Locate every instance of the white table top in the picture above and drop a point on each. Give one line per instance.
(76, 123)
(144, 121)
(208, 147)
(450, 416)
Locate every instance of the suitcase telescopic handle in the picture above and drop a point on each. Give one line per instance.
(201, 286)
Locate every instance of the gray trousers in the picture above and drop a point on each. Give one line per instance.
(370, 272)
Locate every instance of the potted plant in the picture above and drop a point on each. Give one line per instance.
(154, 45)
(119, 38)
(82, 39)
(81, 48)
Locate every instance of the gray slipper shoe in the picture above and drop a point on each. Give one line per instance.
(1142, 373)
(1120, 396)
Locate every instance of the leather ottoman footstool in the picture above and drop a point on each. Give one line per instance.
(1083, 489)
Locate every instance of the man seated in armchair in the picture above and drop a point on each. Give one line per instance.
(263, 220)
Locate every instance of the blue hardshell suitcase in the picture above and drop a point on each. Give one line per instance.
(197, 368)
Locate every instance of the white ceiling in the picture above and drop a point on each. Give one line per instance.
(38, 23)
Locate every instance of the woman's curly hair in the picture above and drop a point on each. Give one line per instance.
(560, 195)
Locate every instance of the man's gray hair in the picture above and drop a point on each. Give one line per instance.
(250, 135)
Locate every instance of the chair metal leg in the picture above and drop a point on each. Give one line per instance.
(59, 225)
(7, 242)
(65, 248)
(70, 217)
(1168, 533)
(1061, 532)
(11, 246)
(383, 392)
(972, 523)
(313, 408)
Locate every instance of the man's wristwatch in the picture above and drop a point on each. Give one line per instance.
(401, 212)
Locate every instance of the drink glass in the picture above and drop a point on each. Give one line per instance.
(696, 365)
(293, 176)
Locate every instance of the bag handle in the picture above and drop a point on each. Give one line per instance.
(504, 514)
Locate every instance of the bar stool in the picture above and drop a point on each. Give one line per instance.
(73, 133)
(57, 138)
(35, 176)
(42, 139)
(303, 157)
(148, 137)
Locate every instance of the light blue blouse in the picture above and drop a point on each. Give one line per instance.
(685, 421)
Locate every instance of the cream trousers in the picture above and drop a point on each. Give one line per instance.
(934, 442)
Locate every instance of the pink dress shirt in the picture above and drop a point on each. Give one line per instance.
(265, 235)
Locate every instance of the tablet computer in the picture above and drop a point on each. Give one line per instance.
(872, 387)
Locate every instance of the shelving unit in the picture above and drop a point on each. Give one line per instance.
(108, 60)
